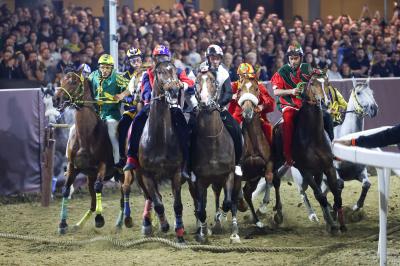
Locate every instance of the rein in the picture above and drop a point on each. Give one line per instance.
(358, 108)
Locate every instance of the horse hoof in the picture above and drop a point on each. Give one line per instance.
(313, 218)
(201, 239)
(180, 240)
(263, 209)
(62, 230)
(343, 229)
(278, 218)
(234, 239)
(260, 224)
(242, 206)
(146, 230)
(164, 227)
(355, 207)
(332, 229)
(99, 221)
(128, 222)
(217, 229)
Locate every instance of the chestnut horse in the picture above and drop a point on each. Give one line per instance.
(89, 149)
(257, 161)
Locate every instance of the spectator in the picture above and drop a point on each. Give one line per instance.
(359, 64)
(333, 72)
(382, 68)
(346, 71)
(34, 69)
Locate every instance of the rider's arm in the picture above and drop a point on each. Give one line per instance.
(342, 102)
(282, 92)
(380, 139)
(146, 89)
(268, 102)
(278, 83)
(187, 82)
(226, 93)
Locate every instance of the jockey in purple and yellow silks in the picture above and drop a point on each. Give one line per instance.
(284, 83)
(160, 54)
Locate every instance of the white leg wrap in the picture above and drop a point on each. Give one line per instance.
(112, 132)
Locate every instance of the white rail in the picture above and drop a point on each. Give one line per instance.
(384, 162)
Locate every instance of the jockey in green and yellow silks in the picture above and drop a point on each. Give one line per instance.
(337, 105)
(109, 86)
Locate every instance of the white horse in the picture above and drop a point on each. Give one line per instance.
(360, 104)
(61, 135)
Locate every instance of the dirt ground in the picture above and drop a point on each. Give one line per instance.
(29, 218)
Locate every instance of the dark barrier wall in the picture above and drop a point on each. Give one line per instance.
(386, 93)
(21, 130)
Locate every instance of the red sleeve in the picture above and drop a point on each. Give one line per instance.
(234, 87)
(184, 78)
(278, 81)
(233, 103)
(265, 99)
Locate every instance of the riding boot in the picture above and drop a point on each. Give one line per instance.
(131, 164)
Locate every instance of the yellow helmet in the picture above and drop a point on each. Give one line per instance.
(246, 70)
(106, 59)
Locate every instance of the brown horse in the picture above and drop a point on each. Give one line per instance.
(89, 149)
(160, 155)
(213, 158)
(257, 161)
(311, 151)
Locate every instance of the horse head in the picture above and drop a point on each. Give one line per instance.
(248, 93)
(363, 99)
(166, 82)
(50, 111)
(315, 91)
(71, 92)
(206, 89)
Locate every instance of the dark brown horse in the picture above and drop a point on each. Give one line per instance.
(311, 151)
(89, 149)
(257, 161)
(160, 155)
(213, 158)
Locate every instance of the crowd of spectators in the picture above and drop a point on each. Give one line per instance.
(39, 44)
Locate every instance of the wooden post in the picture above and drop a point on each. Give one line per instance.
(48, 166)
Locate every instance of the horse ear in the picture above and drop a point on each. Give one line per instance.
(354, 82)
(258, 73)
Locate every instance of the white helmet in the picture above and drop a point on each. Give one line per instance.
(214, 49)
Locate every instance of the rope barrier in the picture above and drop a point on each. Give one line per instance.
(179, 246)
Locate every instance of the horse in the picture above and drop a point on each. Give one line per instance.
(160, 155)
(89, 149)
(213, 159)
(311, 151)
(256, 161)
(61, 135)
(361, 104)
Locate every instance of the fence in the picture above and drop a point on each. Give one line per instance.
(384, 162)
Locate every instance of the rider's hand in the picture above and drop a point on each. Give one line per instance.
(346, 142)
(118, 97)
(296, 91)
(234, 96)
(258, 109)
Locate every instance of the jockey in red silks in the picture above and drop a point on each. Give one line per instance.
(284, 83)
(160, 54)
(266, 103)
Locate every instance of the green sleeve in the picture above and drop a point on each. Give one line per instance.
(122, 83)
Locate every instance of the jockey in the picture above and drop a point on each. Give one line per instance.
(214, 57)
(333, 110)
(266, 103)
(160, 54)
(134, 75)
(106, 83)
(86, 70)
(284, 83)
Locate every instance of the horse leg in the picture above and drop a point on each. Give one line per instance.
(230, 204)
(201, 211)
(126, 188)
(302, 187)
(321, 198)
(278, 217)
(366, 184)
(146, 225)
(237, 187)
(120, 217)
(337, 197)
(71, 175)
(248, 190)
(192, 190)
(155, 196)
(98, 187)
(220, 216)
(178, 208)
